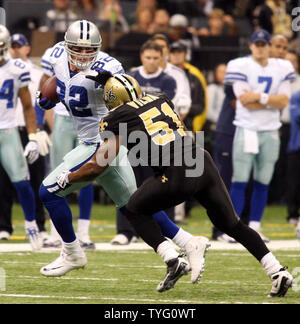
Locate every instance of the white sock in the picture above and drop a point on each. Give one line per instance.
(167, 251)
(73, 246)
(83, 226)
(181, 238)
(30, 224)
(270, 264)
(255, 225)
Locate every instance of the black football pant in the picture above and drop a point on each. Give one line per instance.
(209, 190)
(7, 195)
(293, 188)
(142, 173)
(37, 173)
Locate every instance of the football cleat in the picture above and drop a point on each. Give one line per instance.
(120, 239)
(44, 236)
(4, 235)
(134, 239)
(65, 263)
(52, 242)
(176, 269)
(32, 233)
(226, 238)
(281, 282)
(86, 243)
(195, 251)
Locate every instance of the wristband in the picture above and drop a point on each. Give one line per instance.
(32, 137)
(264, 98)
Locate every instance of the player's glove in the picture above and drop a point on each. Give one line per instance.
(31, 151)
(44, 142)
(63, 179)
(44, 103)
(101, 77)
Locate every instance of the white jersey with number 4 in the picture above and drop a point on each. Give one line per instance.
(14, 75)
(270, 79)
(82, 97)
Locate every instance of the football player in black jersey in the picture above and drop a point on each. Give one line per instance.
(172, 183)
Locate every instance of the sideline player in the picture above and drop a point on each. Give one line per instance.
(14, 81)
(262, 88)
(84, 100)
(154, 117)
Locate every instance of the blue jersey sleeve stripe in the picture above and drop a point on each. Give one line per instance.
(234, 79)
(237, 73)
(228, 77)
(25, 80)
(47, 68)
(24, 75)
(290, 76)
(46, 62)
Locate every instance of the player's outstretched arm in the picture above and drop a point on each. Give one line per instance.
(104, 156)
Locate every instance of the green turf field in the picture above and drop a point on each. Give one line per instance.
(131, 277)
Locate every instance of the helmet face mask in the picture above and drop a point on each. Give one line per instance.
(82, 57)
(120, 89)
(82, 43)
(4, 42)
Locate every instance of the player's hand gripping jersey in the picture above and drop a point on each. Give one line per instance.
(271, 79)
(81, 96)
(163, 139)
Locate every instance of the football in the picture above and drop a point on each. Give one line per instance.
(49, 90)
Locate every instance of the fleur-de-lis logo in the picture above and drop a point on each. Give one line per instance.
(164, 179)
(103, 125)
(110, 95)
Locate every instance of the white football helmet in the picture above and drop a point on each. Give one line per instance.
(82, 34)
(4, 42)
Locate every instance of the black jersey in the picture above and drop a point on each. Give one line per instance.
(151, 131)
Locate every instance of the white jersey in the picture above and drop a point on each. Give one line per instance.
(14, 75)
(36, 74)
(182, 99)
(81, 96)
(259, 79)
(59, 109)
(295, 87)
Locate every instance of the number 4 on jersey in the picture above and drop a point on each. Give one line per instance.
(7, 93)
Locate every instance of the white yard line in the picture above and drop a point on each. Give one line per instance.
(105, 298)
(273, 245)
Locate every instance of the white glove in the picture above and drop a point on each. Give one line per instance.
(44, 142)
(31, 152)
(63, 179)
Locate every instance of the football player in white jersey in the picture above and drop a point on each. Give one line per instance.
(262, 88)
(83, 98)
(64, 138)
(20, 48)
(14, 81)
